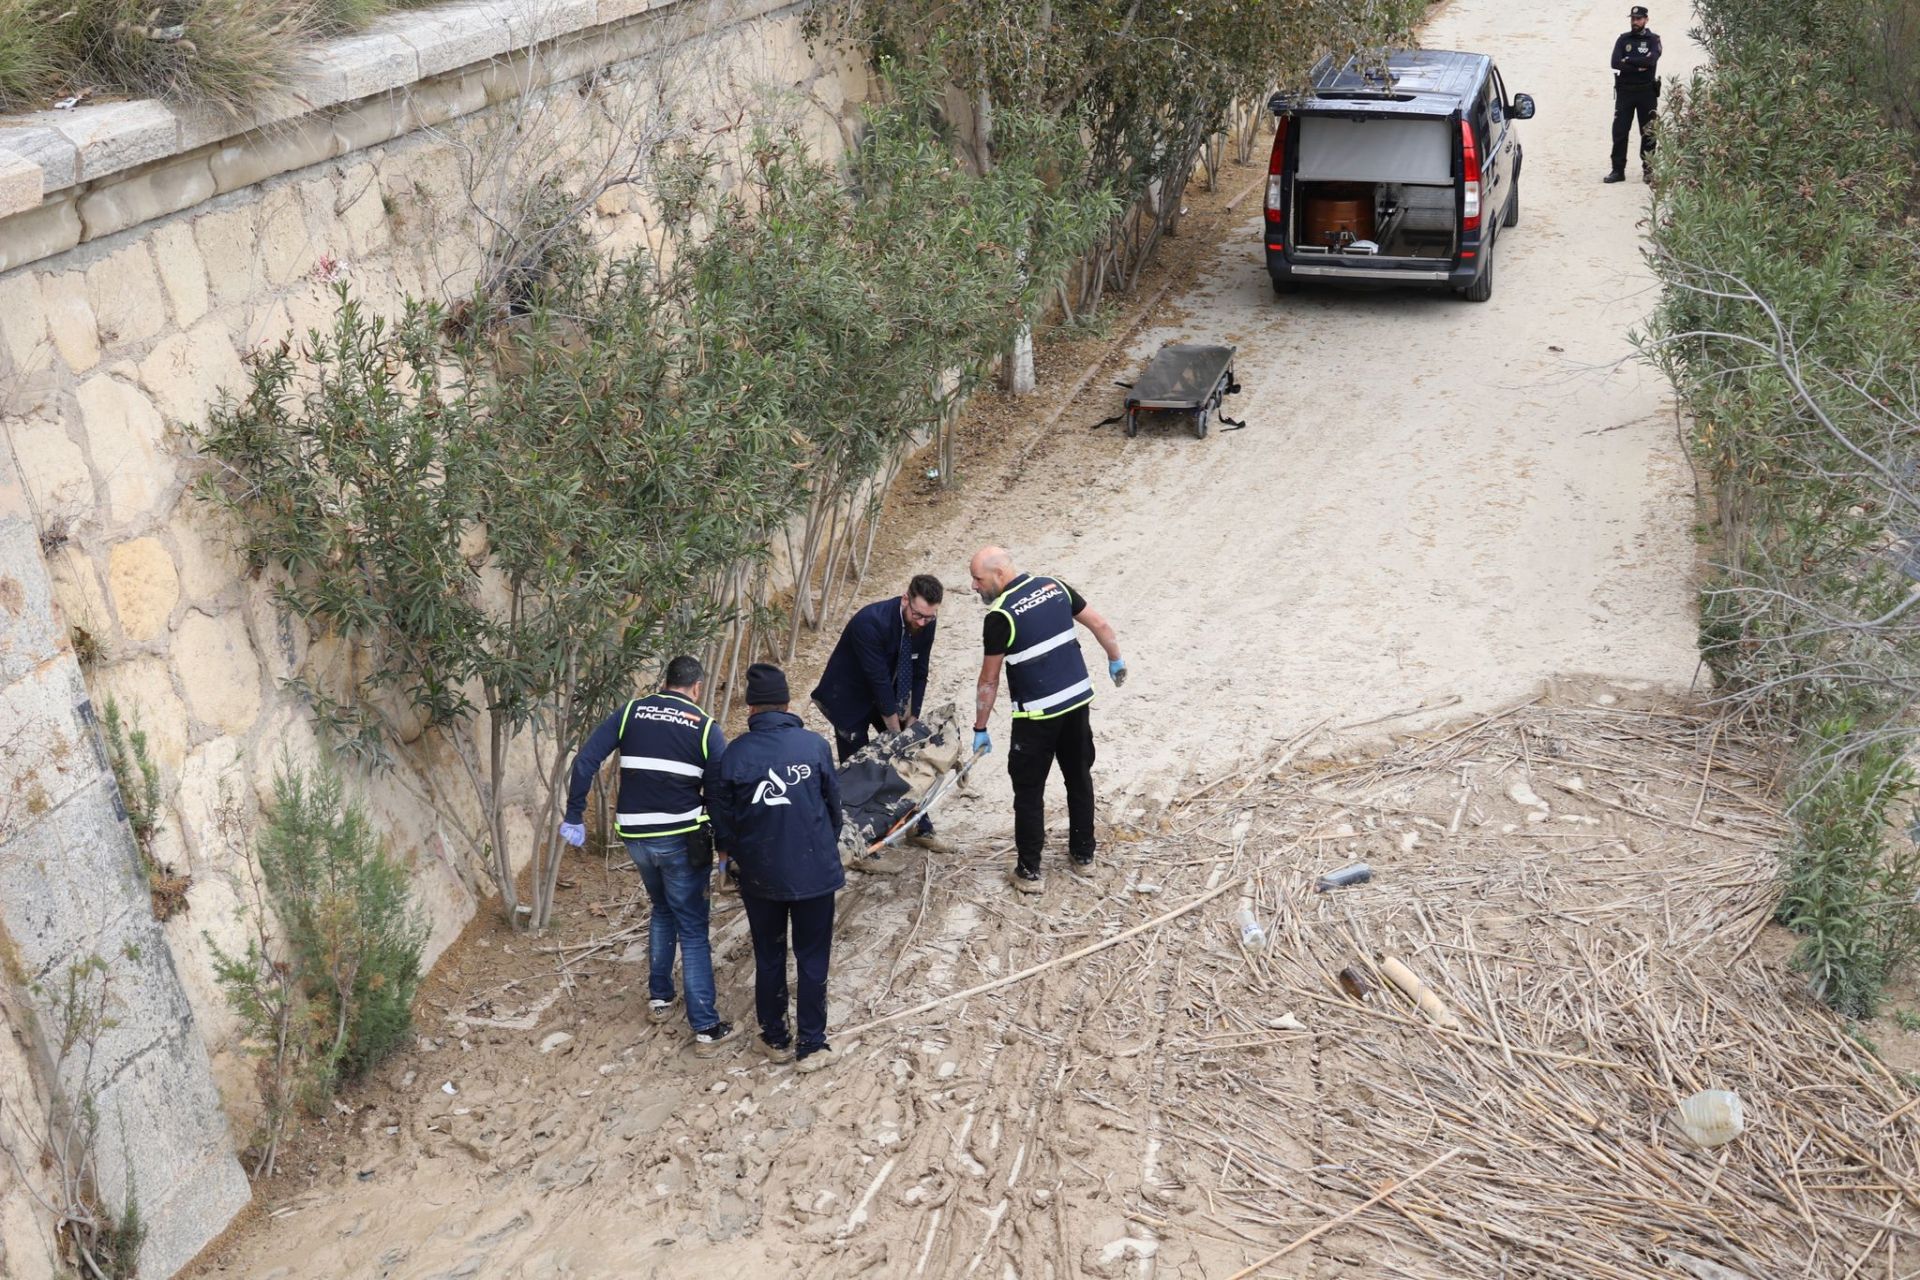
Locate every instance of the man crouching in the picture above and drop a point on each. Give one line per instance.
(775, 804)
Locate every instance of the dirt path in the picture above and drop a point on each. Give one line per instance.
(1436, 504)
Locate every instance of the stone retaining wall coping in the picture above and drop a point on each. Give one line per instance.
(45, 155)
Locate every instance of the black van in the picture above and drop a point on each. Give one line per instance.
(1402, 172)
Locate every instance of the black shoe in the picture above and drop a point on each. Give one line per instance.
(707, 1043)
(1081, 866)
(1617, 175)
(1028, 881)
(777, 1050)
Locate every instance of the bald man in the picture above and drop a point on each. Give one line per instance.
(1029, 634)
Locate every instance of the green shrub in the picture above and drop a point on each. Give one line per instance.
(1850, 884)
(349, 921)
(1790, 326)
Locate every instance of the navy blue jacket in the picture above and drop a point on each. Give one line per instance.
(857, 685)
(1636, 57)
(637, 791)
(775, 803)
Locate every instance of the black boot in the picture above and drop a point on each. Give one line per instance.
(1616, 175)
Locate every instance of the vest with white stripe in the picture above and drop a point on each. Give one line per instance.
(1046, 676)
(663, 753)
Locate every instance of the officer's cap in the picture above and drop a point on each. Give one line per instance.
(1638, 11)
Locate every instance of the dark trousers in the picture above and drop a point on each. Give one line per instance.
(809, 922)
(1037, 744)
(845, 744)
(1629, 101)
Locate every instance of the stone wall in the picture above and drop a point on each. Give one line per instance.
(160, 251)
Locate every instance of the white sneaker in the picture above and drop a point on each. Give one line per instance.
(659, 1011)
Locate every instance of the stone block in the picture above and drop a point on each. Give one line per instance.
(455, 35)
(203, 545)
(145, 587)
(363, 213)
(268, 324)
(126, 296)
(182, 273)
(371, 122)
(33, 138)
(141, 198)
(286, 251)
(70, 319)
(616, 10)
(226, 240)
(118, 135)
(355, 67)
(281, 637)
(53, 466)
(214, 787)
(143, 687)
(21, 184)
(294, 744)
(260, 154)
(38, 233)
(29, 633)
(436, 102)
(186, 373)
(76, 590)
(532, 21)
(123, 437)
(23, 322)
(219, 671)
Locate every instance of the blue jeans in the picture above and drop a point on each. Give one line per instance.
(679, 896)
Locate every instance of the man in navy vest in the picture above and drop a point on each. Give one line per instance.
(876, 678)
(667, 743)
(775, 801)
(1029, 635)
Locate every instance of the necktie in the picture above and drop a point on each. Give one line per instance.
(903, 673)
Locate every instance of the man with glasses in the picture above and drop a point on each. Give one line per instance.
(876, 678)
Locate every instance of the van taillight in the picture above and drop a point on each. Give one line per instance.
(1276, 184)
(1470, 162)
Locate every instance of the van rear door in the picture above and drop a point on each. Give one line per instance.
(1405, 166)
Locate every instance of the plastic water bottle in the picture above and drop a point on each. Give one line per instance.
(1252, 936)
(1356, 873)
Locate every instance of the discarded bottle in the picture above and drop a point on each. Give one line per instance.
(1357, 873)
(1713, 1117)
(1252, 936)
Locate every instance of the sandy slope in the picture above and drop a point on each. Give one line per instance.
(1435, 503)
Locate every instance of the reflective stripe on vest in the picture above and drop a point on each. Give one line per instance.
(1046, 676)
(663, 751)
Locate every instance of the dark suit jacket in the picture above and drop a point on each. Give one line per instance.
(857, 685)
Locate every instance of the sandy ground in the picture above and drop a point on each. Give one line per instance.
(1436, 505)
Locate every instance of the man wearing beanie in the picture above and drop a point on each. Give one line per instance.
(775, 803)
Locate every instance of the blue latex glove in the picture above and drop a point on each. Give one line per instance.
(1118, 670)
(574, 833)
(982, 742)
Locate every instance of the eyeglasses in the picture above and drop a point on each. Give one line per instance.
(920, 617)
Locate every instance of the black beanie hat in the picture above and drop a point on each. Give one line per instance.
(766, 686)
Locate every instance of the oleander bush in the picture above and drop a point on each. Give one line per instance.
(1789, 323)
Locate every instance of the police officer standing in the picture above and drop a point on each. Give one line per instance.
(1029, 634)
(775, 800)
(1636, 92)
(666, 744)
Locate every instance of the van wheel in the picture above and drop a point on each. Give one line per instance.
(1513, 205)
(1283, 288)
(1482, 287)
